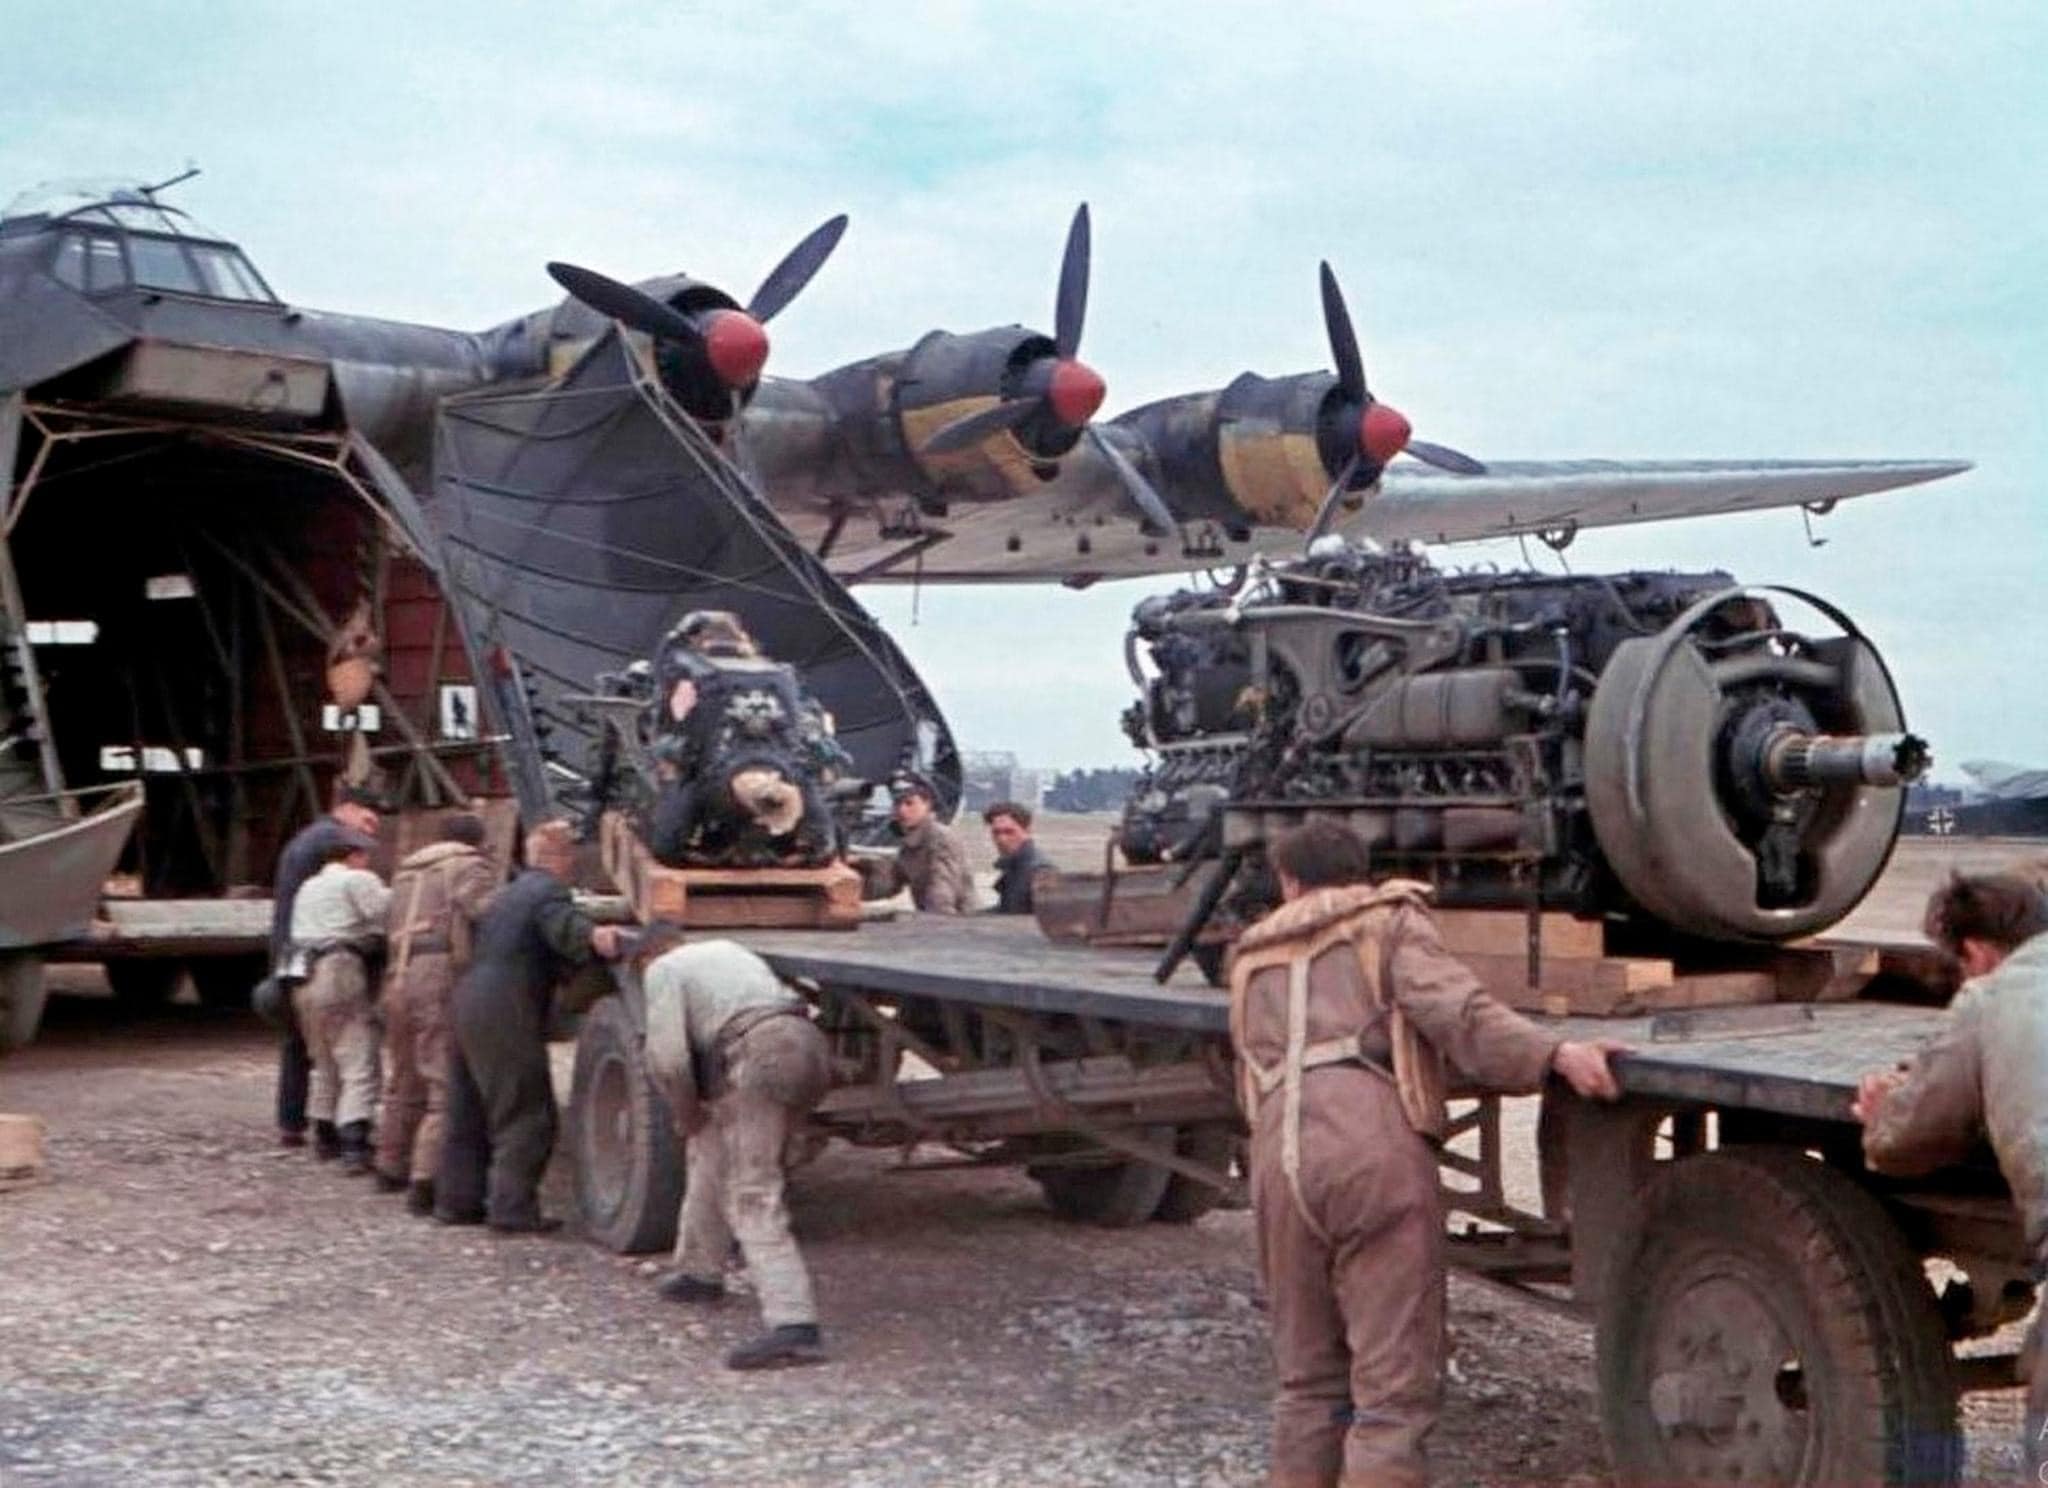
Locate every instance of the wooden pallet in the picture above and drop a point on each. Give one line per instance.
(1577, 976)
(826, 898)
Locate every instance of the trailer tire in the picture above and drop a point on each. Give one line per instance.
(1763, 1319)
(1188, 1199)
(142, 984)
(22, 995)
(1115, 1195)
(629, 1165)
(225, 982)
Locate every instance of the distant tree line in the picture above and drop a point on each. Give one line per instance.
(1090, 790)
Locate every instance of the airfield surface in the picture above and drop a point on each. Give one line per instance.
(182, 1302)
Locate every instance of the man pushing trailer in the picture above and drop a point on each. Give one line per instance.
(1984, 1077)
(735, 1054)
(501, 1102)
(1344, 1009)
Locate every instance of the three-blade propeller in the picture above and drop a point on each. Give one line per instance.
(733, 342)
(1061, 391)
(1062, 387)
(1375, 431)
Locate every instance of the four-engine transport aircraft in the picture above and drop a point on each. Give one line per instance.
(172, 434)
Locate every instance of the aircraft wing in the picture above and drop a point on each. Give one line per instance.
(2004, 782)
(1421, 504)
(1082, 528)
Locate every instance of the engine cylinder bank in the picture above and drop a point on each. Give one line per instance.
(1658, 747)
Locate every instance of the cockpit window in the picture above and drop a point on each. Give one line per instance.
(228, 275)
(93, 261)
(105, 269)
(69, 265)
(160, 263)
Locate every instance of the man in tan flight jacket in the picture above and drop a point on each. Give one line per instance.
(437, 896)
(1345, 1008)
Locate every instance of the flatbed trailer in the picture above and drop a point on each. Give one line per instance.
(1762, 1306)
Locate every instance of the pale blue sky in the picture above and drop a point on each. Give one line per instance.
(1570, 228)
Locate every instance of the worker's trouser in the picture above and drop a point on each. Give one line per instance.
(335, 1018)
(416, 1037)
(2034, 1359)
(501, 1122)
(1354, 1275)
(774, 1073)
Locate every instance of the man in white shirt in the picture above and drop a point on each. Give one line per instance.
(734, 1052)
(337, 920)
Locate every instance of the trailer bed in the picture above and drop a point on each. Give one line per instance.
(1794, 1059)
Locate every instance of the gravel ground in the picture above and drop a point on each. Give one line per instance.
(185, 1303)
(182, 1302)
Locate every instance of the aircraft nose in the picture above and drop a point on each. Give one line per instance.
(736, 345)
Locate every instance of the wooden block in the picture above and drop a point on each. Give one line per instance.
(1136, 906)
(1601, 986)
(727, 898)
(1503, 932)
(21, 1149)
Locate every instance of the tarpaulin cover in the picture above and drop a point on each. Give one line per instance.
(581, 522)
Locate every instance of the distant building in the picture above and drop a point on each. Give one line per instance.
(992, 775)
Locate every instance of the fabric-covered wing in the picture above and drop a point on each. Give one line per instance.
(582, 521)
(1421, 504)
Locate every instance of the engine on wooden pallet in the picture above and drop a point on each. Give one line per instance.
(720, 755)
(1662, 748)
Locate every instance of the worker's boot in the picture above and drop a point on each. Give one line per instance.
(387, 1183)
(780, 1348)
(419, 1198)
(326, 1141)
(355, 1149)
(683, 1287)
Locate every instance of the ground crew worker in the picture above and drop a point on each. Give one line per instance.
(354, 810)
(931, 863)
(438, 895)
(1017, 856)
(734, 1052)
(501, 1098)
(337, 924)
(1344, 1007)
(1984, 1075)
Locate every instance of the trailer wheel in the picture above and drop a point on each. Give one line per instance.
(629, 1166)
(140, 984)
(1115, 1195)
(226, 981)
(1763, 1321)
(1188, 1199)
(22, 995)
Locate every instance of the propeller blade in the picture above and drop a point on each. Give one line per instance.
(1443, 457)
(786, 280)
(1327, 512)
(1071, 308)
(1343, 340)
(964, 433)
(1158, 516)
(637, 308)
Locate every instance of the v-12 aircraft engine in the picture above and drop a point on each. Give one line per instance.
(1663, 749)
